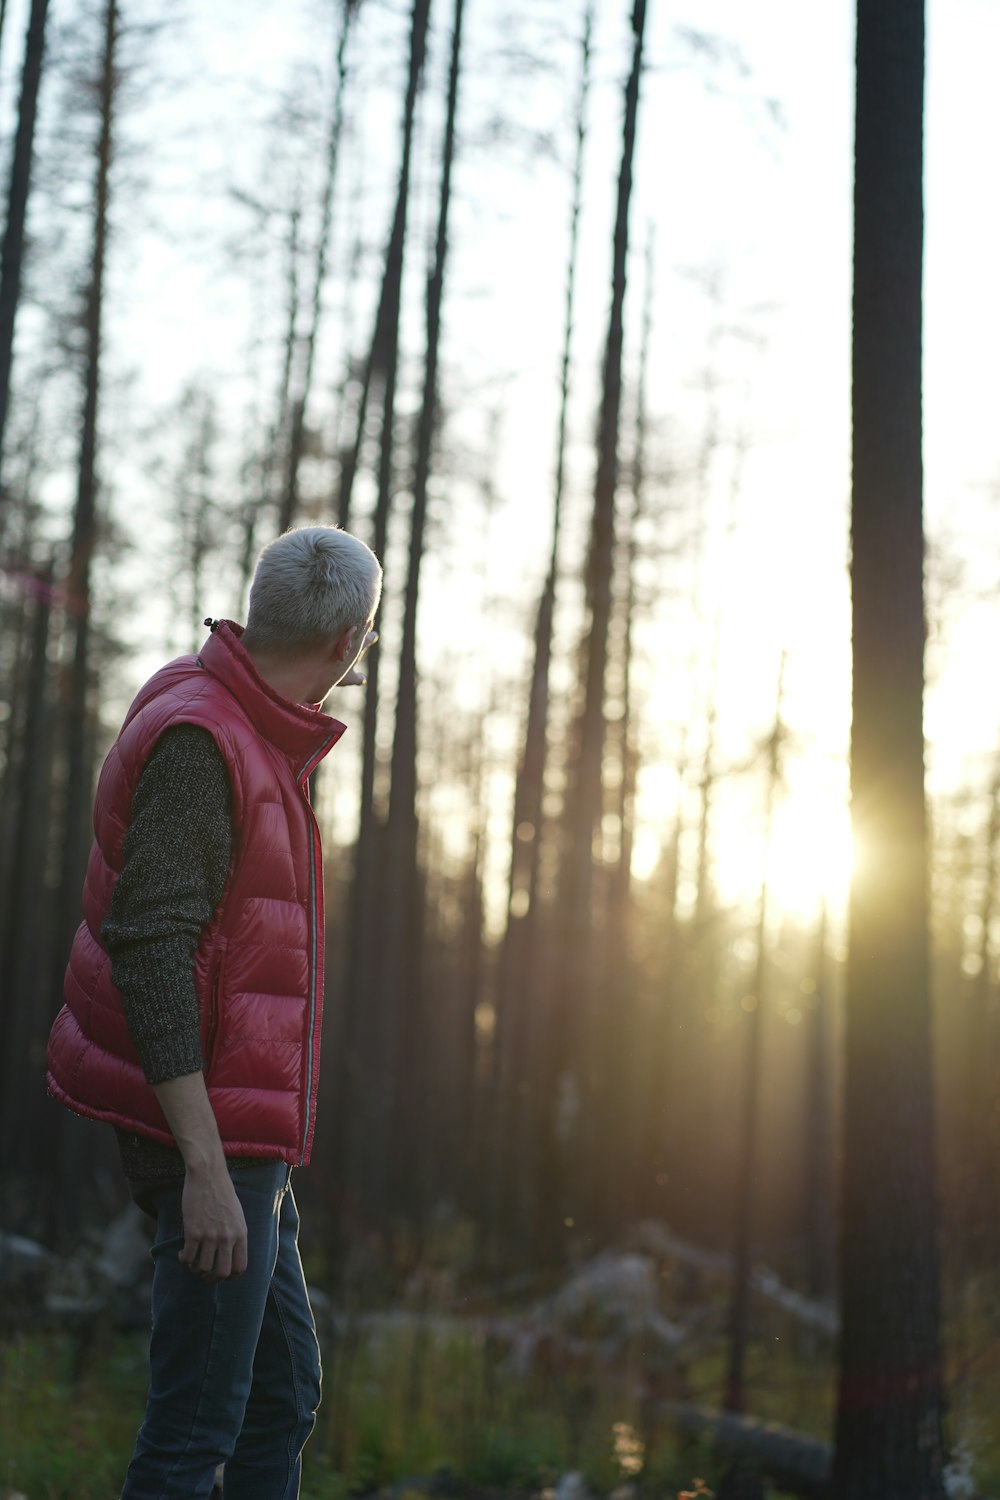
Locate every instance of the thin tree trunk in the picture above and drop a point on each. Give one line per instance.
(17, 207)
(818, 1133)
(364, 1096)
(403, 796)
(601, 553)
(15, 636)
(300, 401)
(889, 1413)
(679, 1137)
(582, 958)
(347, 375)
(626, 1053)
(203, 477)
(14, 639)
(78, 739)
(621, 890)
(746, 1181)
(980, 1159)
(659, 1112)
(402, 916)
(22, 937)
(383, 354)
(269, 461)
(78, 601)
(704, 900)
(514, 1107)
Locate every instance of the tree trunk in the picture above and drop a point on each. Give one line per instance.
(78, 767)
(17, 206)
(402, 907)
(277, 435)
(383, 354)
(75, 712)
(820, 1187)
(889, 1415)
(515, 1107)
(978, 1172)
(581, 977)
(746, 1181)
(363, 1099)
(23, 937)
(625, 1038)
(629, 752)
(300, 400)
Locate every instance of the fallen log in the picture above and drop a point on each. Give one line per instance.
(792, 1462)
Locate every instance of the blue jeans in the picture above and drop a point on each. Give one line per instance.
(234, 1365)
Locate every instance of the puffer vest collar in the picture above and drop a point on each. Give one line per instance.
(296, 729)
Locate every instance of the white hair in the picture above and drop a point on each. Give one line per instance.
(310, 584)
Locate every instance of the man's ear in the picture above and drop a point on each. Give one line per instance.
(345, 644)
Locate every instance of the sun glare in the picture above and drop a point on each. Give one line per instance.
(811, 852)
(808, 864)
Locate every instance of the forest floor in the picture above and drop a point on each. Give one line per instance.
(416, 1407)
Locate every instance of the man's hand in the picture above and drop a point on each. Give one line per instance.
(215, 1230)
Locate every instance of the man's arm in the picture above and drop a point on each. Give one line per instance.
(176, 857)
(215, 1231)
(175, 861)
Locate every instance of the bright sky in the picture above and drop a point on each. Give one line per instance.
(744, 170)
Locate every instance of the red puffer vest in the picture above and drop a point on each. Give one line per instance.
(259, 964)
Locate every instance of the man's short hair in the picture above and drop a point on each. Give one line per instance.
(310, 584)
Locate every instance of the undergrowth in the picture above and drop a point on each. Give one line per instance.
(410, 1403)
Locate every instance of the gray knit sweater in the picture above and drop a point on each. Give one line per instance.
(176, 858)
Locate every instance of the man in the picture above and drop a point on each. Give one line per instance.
(193, 1010)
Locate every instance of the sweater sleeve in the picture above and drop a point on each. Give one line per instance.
(176, 858)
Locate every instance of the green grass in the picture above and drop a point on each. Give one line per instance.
(67, 1435)
(66, 1438)
(410, 1406)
